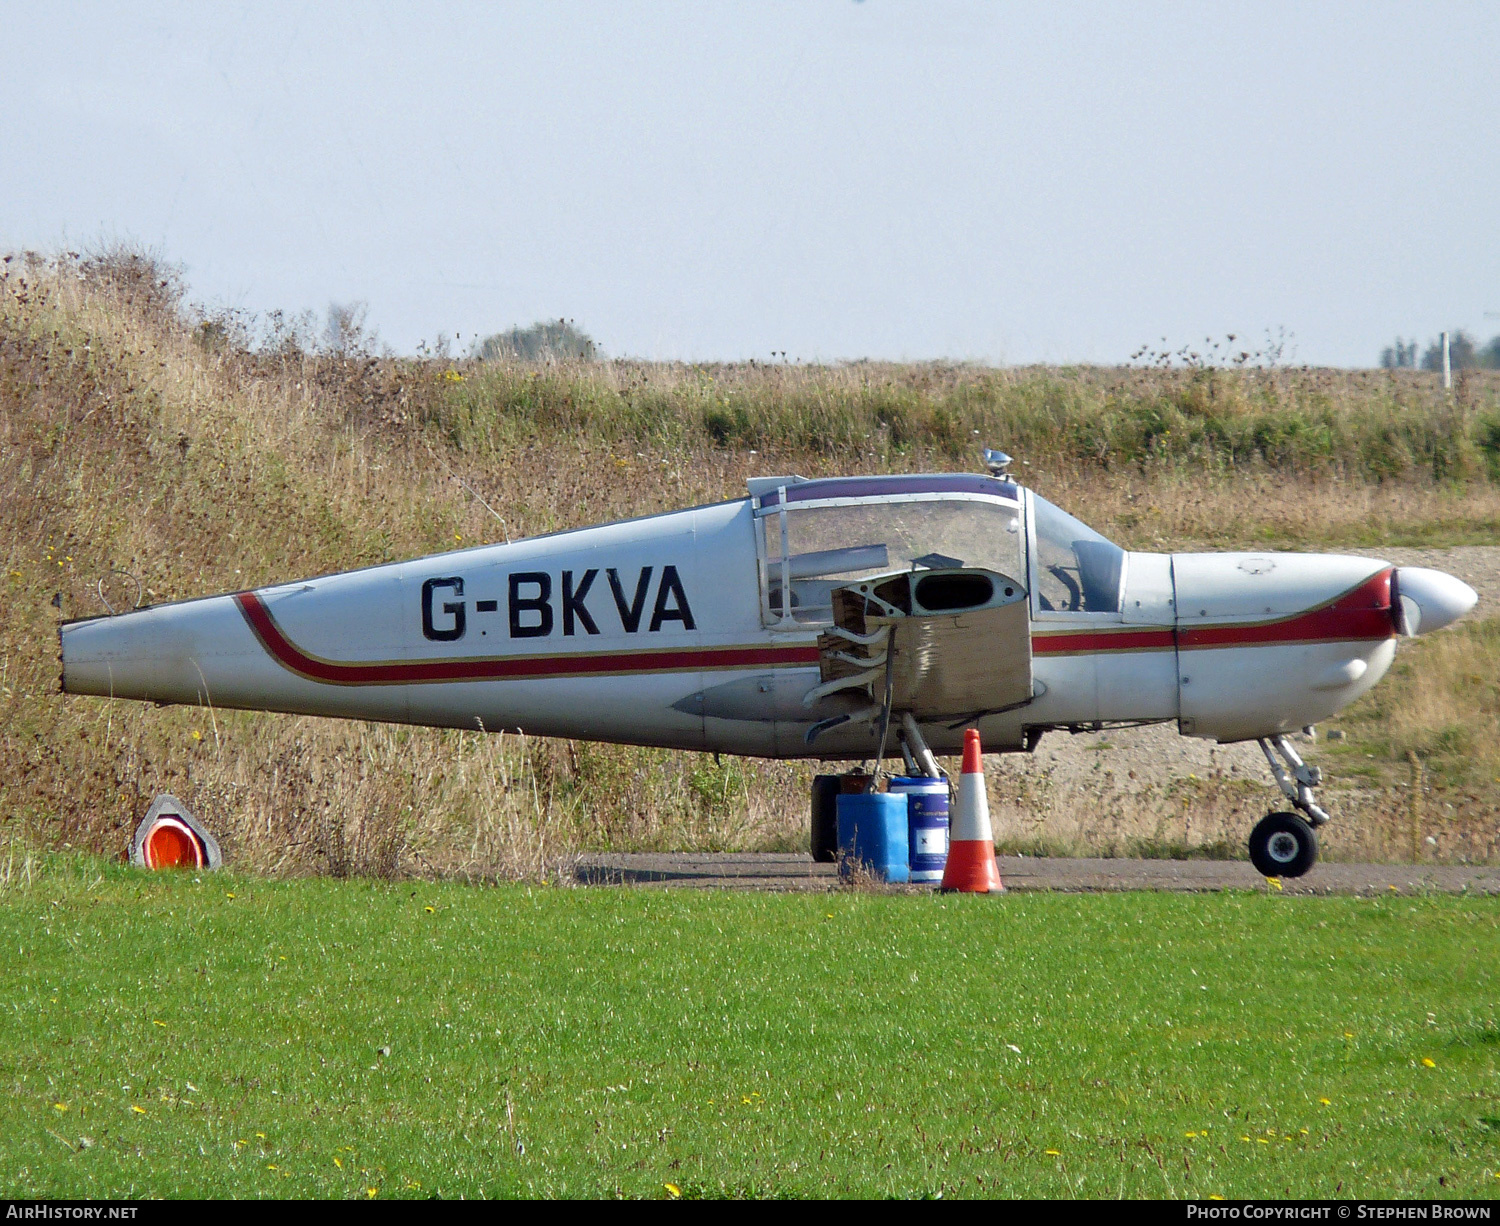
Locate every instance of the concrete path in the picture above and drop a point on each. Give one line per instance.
(784, 871)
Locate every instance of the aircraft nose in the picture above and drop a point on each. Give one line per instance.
(1430, 599)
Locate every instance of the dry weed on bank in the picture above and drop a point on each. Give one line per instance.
(134, 439)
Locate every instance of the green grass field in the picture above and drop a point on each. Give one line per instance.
(234, 1036)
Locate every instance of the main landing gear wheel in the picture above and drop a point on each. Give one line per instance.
(1283, 845)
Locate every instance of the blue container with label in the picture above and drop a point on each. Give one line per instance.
(873, 833)
(927, 825)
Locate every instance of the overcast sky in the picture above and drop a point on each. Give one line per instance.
(1006, 183)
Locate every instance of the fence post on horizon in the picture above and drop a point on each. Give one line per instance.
(1447, 366)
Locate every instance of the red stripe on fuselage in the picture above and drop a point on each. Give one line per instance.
(1072, 643)
(1361, 614)
(489, 668)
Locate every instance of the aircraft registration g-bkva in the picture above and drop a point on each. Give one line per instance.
(847, 619)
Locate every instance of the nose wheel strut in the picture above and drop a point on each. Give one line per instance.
(1298, 785)
(1284, 844)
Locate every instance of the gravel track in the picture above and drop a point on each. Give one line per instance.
(797, 873)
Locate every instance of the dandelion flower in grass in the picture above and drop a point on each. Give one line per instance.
(338, 1162)
(138, 1110)
(59, 1106)
(372, 1193)
(1054, 1153)
(1428, 1062)
(1327, 1102)
(672, 1190)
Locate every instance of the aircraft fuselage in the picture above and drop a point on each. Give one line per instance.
(667, 631)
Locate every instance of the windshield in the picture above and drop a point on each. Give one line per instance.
(1076, 570)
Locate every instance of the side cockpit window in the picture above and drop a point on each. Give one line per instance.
(1074, 569)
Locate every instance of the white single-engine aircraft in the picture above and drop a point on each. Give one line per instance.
(839, 619)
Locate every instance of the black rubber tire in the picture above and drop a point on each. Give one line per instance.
(1283, 845)
(825, 822)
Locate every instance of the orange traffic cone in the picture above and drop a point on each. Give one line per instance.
(169, 836)
(171, 844)
(971, 867)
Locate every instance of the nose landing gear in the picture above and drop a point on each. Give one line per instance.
(1284, 844)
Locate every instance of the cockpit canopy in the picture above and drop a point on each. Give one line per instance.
(815, 536)
(819, 535)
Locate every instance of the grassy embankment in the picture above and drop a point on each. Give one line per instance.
(234, 1036)
(131, 438)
